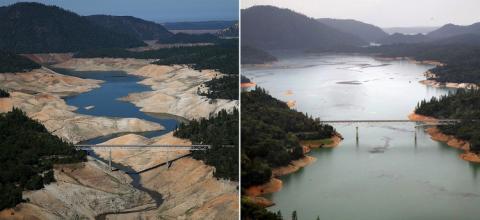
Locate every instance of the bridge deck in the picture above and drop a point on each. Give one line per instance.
(392, 121)
(164, 147)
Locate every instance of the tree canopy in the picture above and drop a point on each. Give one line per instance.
(28, 152)
(221, 132)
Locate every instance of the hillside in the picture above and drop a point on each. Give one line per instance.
(464, 104)
(451, 30)
(251, 55)
(199, 25)
(28, 152)
(268, 27)
(231, 31)
(132, 26)
(37, 28)
(271, 134)
(367, 32)
(11, 63)
(404, 39)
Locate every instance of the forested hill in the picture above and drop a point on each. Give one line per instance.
(271, 132)
(268, 27)
(28, 152)
(220, 131)
(367, 32)
(132, 26)
(38, 28)
(251, 55)
(12, 63)
(451, 30)
(462, 60)
(464, 104)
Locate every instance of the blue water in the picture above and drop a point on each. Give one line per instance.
(117, 84)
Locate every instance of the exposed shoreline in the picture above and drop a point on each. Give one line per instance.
(275, 185)
(450, 140)
(430, 77)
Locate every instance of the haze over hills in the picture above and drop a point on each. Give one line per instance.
(409, 30)
(451, 30)
(368, 32)
(35, 28)
(268, 27)
(135, 27)
(398, 38)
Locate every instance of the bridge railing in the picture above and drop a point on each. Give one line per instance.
(164, 147)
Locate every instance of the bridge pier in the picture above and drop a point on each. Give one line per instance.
(110, 159)
(356, 129)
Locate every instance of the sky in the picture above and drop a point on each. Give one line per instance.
(384, 13)
(153, 10)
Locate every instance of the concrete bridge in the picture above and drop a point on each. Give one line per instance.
(164, 147)
(417, 123)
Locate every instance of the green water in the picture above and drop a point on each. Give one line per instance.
(386, 175)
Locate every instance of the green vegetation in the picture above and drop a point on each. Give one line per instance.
(222, 57)
(251, 211)
(4, 93)
(36, 28)
(225, 87)
(271, 134)
(132, 26)
(11, 63)
(251, 55)
(221, 132)
(463, 104)
(28, 152)
(462, 61)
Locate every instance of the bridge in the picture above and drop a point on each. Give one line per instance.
(418, 123)
(392, 121)
(163, 147)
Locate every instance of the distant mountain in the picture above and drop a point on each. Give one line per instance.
(184, 38)
(367, 32)
(199, 25)
(268, 27)
(398, 38)
(409, 30)
(231, 31)
(132, 26)
(37, 28)
(252, 55)
(451, 30)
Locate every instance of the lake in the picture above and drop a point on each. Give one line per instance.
(386, 174)
(104, 101)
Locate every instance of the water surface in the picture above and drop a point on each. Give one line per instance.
(105, 101)
(386, 174)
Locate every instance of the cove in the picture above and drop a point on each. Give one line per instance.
(385, 175)
(104, 101)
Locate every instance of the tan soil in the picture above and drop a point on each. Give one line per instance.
(294, 166)
(450, 140)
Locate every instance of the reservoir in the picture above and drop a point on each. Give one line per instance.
(104, 101)
(386, 174)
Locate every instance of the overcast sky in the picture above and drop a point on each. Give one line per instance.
(155, 10)
(385, 13)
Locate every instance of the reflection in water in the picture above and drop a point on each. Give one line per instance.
(404, 178)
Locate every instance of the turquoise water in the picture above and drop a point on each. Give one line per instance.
(105, 100)
(386, 174)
